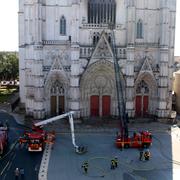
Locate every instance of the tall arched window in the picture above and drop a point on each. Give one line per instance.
(142, 88)
(139, 29)
(109, 39)
(101, 11)
(95, 38)
(62, 26)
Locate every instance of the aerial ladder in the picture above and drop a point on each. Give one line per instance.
(37, 131)
(119, 87)
(140, 139)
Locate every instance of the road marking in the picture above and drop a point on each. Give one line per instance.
(4, 168)
(13, 145)
(9, 166)
(43, 171)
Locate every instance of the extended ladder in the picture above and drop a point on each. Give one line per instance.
(119, 88)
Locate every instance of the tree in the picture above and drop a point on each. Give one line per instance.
(9, 66)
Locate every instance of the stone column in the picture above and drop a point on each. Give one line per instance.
(38, 22)
(130, 95)
(131, 24)
(21, 52)
(163, 90)
(74, 101)
(38, 84)
(75, 23)
(37, 70)
(74, 81)
(130, 59)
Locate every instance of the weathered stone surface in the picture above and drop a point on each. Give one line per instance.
(66, 71)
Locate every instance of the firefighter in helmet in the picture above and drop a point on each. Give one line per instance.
(147, 155)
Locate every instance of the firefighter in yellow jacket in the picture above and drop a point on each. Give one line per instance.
(147, 155)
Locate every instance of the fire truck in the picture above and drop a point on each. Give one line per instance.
(140, 139)
(3, 138)
(37, 138)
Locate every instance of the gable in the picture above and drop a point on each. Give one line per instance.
(102, 51)
(56, 66)
(146, 67)
(57, 70)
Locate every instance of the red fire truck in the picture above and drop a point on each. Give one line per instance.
(37, 138)
(141, 139)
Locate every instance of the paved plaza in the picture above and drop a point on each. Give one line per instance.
(164, 164)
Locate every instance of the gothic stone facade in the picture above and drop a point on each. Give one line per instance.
(67, 62)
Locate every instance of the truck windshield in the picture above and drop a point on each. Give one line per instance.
(34, 141)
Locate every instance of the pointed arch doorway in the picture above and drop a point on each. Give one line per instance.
(142, 99)
(57, 100)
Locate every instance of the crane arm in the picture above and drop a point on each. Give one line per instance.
(41, 123)
(72, 130)
(71, 122)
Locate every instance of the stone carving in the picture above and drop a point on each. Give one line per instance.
(142, 88)
(146, 66)
(57, 88)
(56, 65)
(146, 72)
(100, 82)
(62, 54)
(102, 50)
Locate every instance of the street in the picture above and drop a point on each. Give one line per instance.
(16, 156)
(163, 164)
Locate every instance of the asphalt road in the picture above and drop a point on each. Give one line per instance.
(65, 163)
(17, 157)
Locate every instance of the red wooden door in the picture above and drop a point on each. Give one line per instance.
(94, 105)
(106, 102)
(145, 105)
(138, 105)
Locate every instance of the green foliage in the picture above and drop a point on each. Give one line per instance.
(8, 66)
(5, 94)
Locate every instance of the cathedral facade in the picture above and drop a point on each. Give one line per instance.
(67, 50)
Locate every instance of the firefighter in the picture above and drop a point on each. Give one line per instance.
(141, 154)
(16, 173)
(147, 155)
(113, 164)
(21, 171)
(116, 162)
(85, 167)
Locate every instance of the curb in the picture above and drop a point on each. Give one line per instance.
(43, 170)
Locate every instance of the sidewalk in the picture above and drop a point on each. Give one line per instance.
(60, 127)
